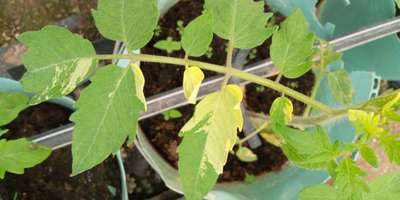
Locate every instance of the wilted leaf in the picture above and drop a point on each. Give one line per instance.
(129, 21)
(192, 78)
(208, 138)
(292, 46)
(16, 155)
(56, 62)
(110, 101)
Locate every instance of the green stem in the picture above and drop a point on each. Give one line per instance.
(314, 92)
(254, 133)
(228, 63)
(221, 69)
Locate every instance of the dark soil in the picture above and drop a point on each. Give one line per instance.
(163, 77)
(164, 134)
(51, 179)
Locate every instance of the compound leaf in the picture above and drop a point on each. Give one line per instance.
(198, 35)
(243, 22)
(385, 187)
(110, 101)
(391, 146)
(129, 21)
(369, 155)
(292, 46)
(341, 87)
(192, 78)
(349, 181)
(365, 123)
(11, 103)
(56, 61)
(16, 155)
(208, 138)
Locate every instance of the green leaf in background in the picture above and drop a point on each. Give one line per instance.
(130, 21)
(245, 154)
(341, 87)
(242, 22)
(391, 146)
(16, 155)
(281, 111)
(366, 123)
(310, 150)
(208, 138)
(56, 61)
(3, 131)
(385, 187)
(192, 78)
(168, 45)
(397, 3)
(369, 155)
(198, 35)
(318, 192)
(11, 103)
(349, 180)
(171, 114)
(292, 46)
(110, 101)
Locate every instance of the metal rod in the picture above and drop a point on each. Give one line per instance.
(157, 104)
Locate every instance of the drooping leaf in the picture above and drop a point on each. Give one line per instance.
(245, 154)
(243, 22)
(129, 21)
(292, 46)
(369, 155)
(110, 101)
(391, 146)
(168, 45)
(11, 103)
(341, 86)
(365, 123)
(281, 111)
(349, 181)
(16, 155)
(208, 138)
(310, 150)
(385, 187)
(198, 35)
(56, 61)
(318, 192)
(192, 78)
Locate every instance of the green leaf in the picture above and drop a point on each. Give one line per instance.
(208, 138)
(341, 87)
(349, 181)
(172, 114)
(397, 3)
(242, 22)
(369, 155)
(281, 111)
(292, 46)
(198, 35)
(16, 155)
(389, 110)
(385, 187)
(56, 61)
(246, 155)
(129, 21)
(11, 103)
(168, 45)
(391, 146)
(310, 150)
(380, 101)
(365, 123)
(3, 131)
(192, 78)
(108, 111)
(318, 192)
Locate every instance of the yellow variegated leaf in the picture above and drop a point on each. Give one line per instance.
(192, 78)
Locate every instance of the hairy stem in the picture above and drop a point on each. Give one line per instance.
(221, 69)
(228, 63)
(314, 92)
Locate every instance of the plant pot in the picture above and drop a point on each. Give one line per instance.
(7, 85)
(282, 185)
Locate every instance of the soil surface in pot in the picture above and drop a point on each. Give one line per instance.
(51, 179)
(163, 77)
(163, 134)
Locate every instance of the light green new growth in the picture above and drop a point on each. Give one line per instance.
(171, 114)
(168, 45)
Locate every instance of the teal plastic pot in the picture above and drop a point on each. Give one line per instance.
(7, 85)
(282, 185)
